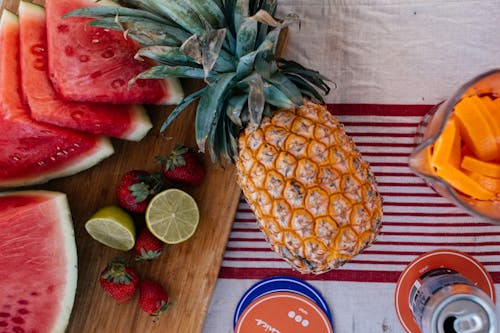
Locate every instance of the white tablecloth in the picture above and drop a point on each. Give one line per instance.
(388, 59)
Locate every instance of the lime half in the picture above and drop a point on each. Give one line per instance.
(112, 226)
(172, 216)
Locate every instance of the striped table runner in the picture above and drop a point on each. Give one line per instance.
(416, 218)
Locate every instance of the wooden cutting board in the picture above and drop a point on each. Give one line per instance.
(188, 270)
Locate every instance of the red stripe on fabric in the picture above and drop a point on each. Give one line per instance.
(448, 234)
(380, 124)
(417, 214)
(435, 225)
(441, 244)
(379, 109)
(340, 275)
(376, 252)
(381, 135)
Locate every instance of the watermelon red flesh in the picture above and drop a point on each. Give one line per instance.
(34, 152)
(120, 121)
(94, 64)
(38, 265)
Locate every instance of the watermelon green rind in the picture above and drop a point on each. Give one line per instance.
(34, 152)
(94, 64)
(120, 121)
(48, 303)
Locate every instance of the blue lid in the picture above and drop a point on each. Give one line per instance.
(280, 283)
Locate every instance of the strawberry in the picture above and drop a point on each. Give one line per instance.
(182, 165)
(147, 246)
(153, 298)
(119, 281)
(136, 188)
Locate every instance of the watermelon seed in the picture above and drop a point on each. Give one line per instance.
(118, 83)
(62, 28)
(39, 64)
(38, 50)
(35, 293)
(69, 51)
(23, 302)
(3, 324)
(95, 41)
(77, 115)
(17, 329)
(4, 314)
(84, 58)
(17, 320)
(23, 311)
(15, 157)
(108, 54)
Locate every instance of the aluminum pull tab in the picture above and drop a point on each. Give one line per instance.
(470, 323)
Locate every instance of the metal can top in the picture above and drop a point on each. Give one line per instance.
(469, 311)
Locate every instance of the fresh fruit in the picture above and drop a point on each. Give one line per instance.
(182, 165)
(464, 155)
(113, 227)
(153, 298)
(96, 65)
(119, 281)
(447, 149)
(38, 262)
(147, 246)
(33, 152)
(172, 216)
(314, 197)
(121, 121)
(476, 129)
(465, 184)
(136, 188)
(490, 169)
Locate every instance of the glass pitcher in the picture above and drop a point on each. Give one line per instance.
(431, 127)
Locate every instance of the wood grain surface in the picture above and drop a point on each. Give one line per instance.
(188, 270)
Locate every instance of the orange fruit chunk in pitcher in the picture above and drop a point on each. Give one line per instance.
(467, 153)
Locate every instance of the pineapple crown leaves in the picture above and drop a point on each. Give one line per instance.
(116, 272)
(173, 159)
(231, 45)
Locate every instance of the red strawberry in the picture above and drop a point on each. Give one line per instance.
(153, 298)
(119, 281)
(183, 165)
(147, 246)
(136, 188)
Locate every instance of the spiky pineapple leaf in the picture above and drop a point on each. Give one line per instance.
(167, 55)
(166, 71)
(314, 77)
(181, 106)
(185, 16)
(210, 11)
(240, 11)
(235, 106)
(256, 100)
(276, 97)
(113, 11)
(246, 38)
(246, 63)
(284, 84)
(209, 108)
(211, 44)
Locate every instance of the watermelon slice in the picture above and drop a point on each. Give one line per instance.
(38, 264)
(119, 121)
(95, 64)
(34, 152)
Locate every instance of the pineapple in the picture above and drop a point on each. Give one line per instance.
(314, 197)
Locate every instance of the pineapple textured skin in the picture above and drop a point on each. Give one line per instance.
(314, 197)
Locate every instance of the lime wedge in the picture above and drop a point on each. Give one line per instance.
(172, 216)
(113, 227)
